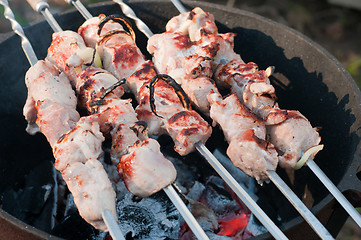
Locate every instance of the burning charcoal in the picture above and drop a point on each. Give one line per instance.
(234, 225)
(204, 215)
(254, 228)
(213, 236)
(154, 217)
(218, 198)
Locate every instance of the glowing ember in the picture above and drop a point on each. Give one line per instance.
(233, 225)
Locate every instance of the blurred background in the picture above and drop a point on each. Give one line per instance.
(334, 24)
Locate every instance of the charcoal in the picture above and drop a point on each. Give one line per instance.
(35, 202)
(11, 204)
(216, 196)
(154, 217)
(74, 227)
(254, 227)
(196, 191)
(213, 236)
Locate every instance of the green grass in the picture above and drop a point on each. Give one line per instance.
(354, 68)
(23, 21)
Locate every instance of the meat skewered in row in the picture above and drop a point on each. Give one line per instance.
(50, 94)
(190, 65)
(88, 30)
(289, 131)
(123, 58)
(116, 118)
(315, 224)
(51, 108)
(139, 179)
(259, 212)
(211, 48)
(294, 198)
(254, 90)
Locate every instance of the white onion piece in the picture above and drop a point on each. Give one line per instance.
(87, 55)
(309, 152)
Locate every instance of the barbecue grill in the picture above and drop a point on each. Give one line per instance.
(307, 78)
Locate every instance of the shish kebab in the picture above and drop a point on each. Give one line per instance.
(234, 73)
(142, 166)
(39, 111)
(296, 202)
(218, 105)
(88, 30)
(310, 218)
(89, 35)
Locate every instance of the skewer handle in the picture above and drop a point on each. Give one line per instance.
(41, 6)
(25, 43)
(335, 192)
(186, 214)
(299, 206)
(81, 8)
(38, 5)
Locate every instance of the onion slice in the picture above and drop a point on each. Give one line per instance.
(90, 55)
(307, 154)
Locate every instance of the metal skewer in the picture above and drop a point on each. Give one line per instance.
(334, 191)
(282, 186)
(184, 211)
(313, 166)
(25, 43)
(169, 190)
(130, 13)
(81, 8)
(225, 175)
(115, 232)
(43, 7)
(179, 6)
(301, 208)
(112, 225)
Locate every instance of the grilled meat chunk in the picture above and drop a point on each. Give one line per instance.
(63, 53)
(51, 103)
(76, 142)
(292, 138)
(246, 135)
(89, 30)
(145, 170)
(189, 24)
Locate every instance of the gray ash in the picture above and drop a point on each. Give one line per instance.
(154, 217)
